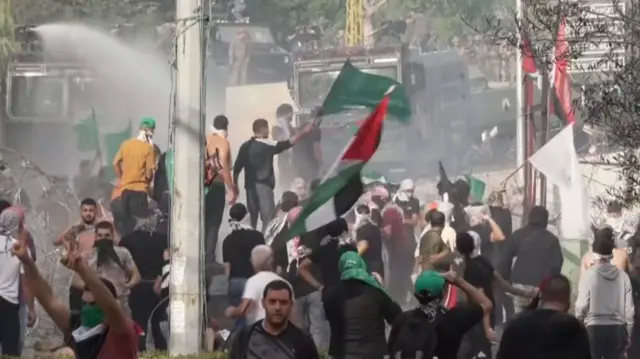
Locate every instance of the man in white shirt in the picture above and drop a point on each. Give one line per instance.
(251, 306)
(10, 272)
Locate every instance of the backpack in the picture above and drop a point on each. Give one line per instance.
(416, 338)
(212, 167)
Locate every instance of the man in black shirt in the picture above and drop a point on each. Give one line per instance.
(325, 256)
(357, 309)
(236, 253)
(410, 205)
(255, 157)
(288, 254)
(369, 241)
(537, 253)
(274, 337)
(449, 325)
(546, 330)
(502, 216)
(147, 250)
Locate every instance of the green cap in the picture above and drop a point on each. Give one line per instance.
(148, 122)
(431, 282)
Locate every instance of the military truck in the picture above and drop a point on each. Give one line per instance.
(41, 88)
(438, 87)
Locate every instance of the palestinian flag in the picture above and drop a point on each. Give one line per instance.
(342, 188)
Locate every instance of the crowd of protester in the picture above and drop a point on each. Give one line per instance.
(393, 277)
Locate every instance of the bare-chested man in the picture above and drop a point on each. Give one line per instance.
(83, 236)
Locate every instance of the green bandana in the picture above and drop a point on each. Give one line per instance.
(91, 315)
(352, 267)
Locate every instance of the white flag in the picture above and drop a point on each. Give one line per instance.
(558, 161)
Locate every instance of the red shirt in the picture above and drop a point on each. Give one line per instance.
(393, 218)
(120, 345)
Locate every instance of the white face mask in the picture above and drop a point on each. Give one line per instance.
(222, 133)
(145, 136)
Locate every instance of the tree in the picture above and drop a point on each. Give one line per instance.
(603, 49)
(34, 12)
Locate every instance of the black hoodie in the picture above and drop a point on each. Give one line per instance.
(537, 251)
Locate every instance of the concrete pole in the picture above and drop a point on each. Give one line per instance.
(187, 230)
(520, 115)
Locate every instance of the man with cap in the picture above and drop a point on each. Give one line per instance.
(134, 166)
(413, 330)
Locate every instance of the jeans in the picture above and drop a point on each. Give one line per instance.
(145, 310)
(235, 291)
(607, 341)
(310, 312)
(9, 328)
(260, 201)
(214, 203)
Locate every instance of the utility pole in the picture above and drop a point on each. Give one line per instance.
(186, 289)
(520, 111)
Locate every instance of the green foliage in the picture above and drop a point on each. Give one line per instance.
(7, 45)
(284, 15)
(108, 12)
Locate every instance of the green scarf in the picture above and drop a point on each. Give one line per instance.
(91, 315)
(353, 267)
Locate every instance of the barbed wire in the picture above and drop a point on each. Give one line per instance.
(50, 207)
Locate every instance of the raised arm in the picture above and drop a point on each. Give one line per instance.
(114, 316)
(41, 290)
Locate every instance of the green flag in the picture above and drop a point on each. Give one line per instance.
(112, 142)
(477, 188)
(356, 89)
(87, 133)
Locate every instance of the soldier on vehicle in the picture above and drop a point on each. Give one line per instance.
(239, 58)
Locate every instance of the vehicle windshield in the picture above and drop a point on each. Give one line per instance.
(37, 96)
(313, 87)
(257, 34)
(83, 92)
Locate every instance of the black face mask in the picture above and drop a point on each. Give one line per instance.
(106, 251)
